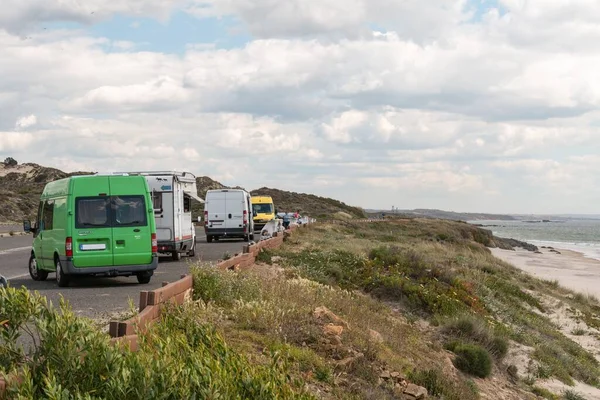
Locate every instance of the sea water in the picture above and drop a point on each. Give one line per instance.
(578, 235)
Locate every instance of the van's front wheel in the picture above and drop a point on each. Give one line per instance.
(34, 272)
(61, 278)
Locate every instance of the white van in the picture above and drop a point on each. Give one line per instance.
(172, 194)
(228, 213)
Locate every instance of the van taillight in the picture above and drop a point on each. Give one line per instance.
(154, 243)
(205, 217)
(69, 247)
(245, 217)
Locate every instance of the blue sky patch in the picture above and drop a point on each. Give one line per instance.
(171, 37)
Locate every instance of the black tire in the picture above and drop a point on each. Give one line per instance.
(209, 239)
(34, 272)
(176, 256)
(144, 278)
(252, 236)
(62, 279)
(246, 238)
(192, 252)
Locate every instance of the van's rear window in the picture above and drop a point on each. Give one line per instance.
(113, 211)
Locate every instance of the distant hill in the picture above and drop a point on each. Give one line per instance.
(441, 214)
(315, 206)
(21, 186)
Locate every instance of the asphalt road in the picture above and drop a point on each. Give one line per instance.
(94, 297)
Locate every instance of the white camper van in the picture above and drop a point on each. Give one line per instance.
(172, 196)
(228, 213)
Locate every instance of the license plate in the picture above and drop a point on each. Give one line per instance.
(99, 246)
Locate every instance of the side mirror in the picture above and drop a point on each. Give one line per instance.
(27, 226)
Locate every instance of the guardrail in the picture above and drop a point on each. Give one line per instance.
(151, 303)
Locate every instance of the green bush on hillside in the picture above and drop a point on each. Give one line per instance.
(472, 359)
(475, 329)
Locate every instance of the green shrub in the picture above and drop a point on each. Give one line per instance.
(224, 287)
(265, 256)
(438, 385)
(475, 329)
(180, 357)
(545, 393)
(473, 359)
(571, 395)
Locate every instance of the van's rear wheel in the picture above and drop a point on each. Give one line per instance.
(192, 252)
(144, 277)
(209, 238)
(34, 272)
(176, 256)
(62, 279)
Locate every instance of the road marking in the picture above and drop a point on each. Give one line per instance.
(18, 276)
(14, 250)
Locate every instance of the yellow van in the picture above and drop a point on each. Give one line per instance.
(263, 211)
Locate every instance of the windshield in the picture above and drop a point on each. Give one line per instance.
(114, 211)
(265, 208)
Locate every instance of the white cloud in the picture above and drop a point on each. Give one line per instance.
(430, 107)
(19, 16)
(26, 122)
(15, 141)
(163, 92)
(271, 18)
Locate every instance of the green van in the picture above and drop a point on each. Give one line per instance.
(99, 225)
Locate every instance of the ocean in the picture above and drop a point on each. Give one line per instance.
(577, 235)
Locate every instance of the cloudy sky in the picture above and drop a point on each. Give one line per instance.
(464, 105)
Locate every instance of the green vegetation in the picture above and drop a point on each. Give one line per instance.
(570, 395)
(182, 357)
(440, 386)
(472, 359)
(545, 393)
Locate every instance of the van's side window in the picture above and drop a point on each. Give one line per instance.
(157, 200)
(186, 204)
(48, 215)
(39, 215)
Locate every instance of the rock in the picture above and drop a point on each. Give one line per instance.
(413, 391)
(323, 313)
(276, 258)
(333, 330)
(336, 341)
(375, 336)
(395, 375)
(348, 361)
(538, 252)
(385, 374)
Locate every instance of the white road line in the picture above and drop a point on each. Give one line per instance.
(16, 277)
(16, 249)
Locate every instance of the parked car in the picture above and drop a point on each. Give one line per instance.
(227, 213)
(95, 225)
(3, 282)
(172, 196)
